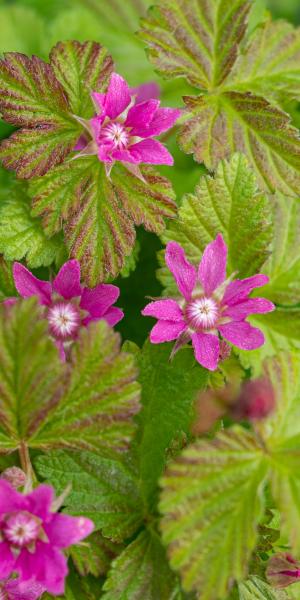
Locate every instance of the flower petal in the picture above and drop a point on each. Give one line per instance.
(10, 499)
(166, 331)
(117, 97)
(67, 281)
(99, 101)
(26, 590)
(7, 560)
(113, 316)
(40, 501)
(140, 115)
(151, 152)
(242, 335)
(183, 272)
(63, 530)
(243, 309)
(145, 91)
(239, 289)
(125, 156)
(99, 299)
(207, 350)
(167, 310)
(212, 268)
(81, 142)
(47, 566)
(163, 119)
(28, 285)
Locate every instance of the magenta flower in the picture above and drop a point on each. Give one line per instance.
(33, 536)
(13, 589)
(68, 305)
(210, 306)
(124, 126)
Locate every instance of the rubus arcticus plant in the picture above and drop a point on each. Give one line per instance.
(144, 460)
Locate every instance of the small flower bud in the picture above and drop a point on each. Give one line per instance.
(15, 476)
(255, 401)
(282, 570)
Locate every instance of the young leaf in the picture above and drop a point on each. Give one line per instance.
(21, 235)
(103, 489)
(141, 572)
(168, 407)
(202, 41)
(212, 503)
(40, 98)
(89, 403)
(255, 588)
(99, 214)
(228, 203)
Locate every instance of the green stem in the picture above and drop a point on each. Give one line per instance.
(26, 465)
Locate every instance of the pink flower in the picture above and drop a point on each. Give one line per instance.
(68, 305)
(33, 536)
(256, 400)
(124, 126)
(13, 589)
(209, 305)
(283, 570)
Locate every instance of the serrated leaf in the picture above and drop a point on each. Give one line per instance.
(21, 235)
(242, 122)
(269, 63)
(285, 485)
(88, 403)
(212, 503)
(169, 390)
(228, 203)
(99, 214)
(95, 556)
(79, 588)
(182, 37)
(141, 572)
(257, 589)
(33, 97)
(103, 489)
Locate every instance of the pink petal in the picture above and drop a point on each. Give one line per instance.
(26, 590)
(40, 501)
(167, 310)
(81, 143)
(28, 285)
(98, 300)
(212, 268)
(183, 272)
(126, 156)
(63, 530)
(117, 97)
(10, 499)
(99, 101)
(113, 316)
(47, 566)
(96, 124)
(7, 560)
(140, 115)
(207, 350)
(151, 152)
(242, 335)
(145, 91)
(67, 281)
(240, 288)
(163, 119)
(243, 309)
(166, 331)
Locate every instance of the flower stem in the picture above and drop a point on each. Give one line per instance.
(26, 465)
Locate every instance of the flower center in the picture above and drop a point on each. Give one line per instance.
(114, 134)
(21, 529)
(64, 320)
(202, 313)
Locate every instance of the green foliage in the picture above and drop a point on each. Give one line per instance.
(88, 403)
(95, 556)
(203, 42)
(168, 393)
(256, 589)
(7, 287)
(103, 489)
(99, 214)
(142, 572)
(228, 203)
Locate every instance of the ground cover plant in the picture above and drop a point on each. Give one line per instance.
(149, 300)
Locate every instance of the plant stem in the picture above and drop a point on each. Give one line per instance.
(26, 465)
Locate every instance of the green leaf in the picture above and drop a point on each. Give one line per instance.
(202, 42)
(40, 98)
(196, 40)
(103, 489)
(257, 589)
(169, 390)
(21, 29)
(269, 64)
(141, 572)
(99, 214)
(212, 503)
(21, 235)
(88, 403)
(228, 203)
(95, 556)
(7, 286)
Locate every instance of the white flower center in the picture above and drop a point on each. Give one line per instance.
(22, 528)
(64, 320)
(202, 313)
(115, 134)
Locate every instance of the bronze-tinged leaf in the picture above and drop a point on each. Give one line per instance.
(98, 214)
(223, 124)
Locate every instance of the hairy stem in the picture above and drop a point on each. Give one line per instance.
(26, 465)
